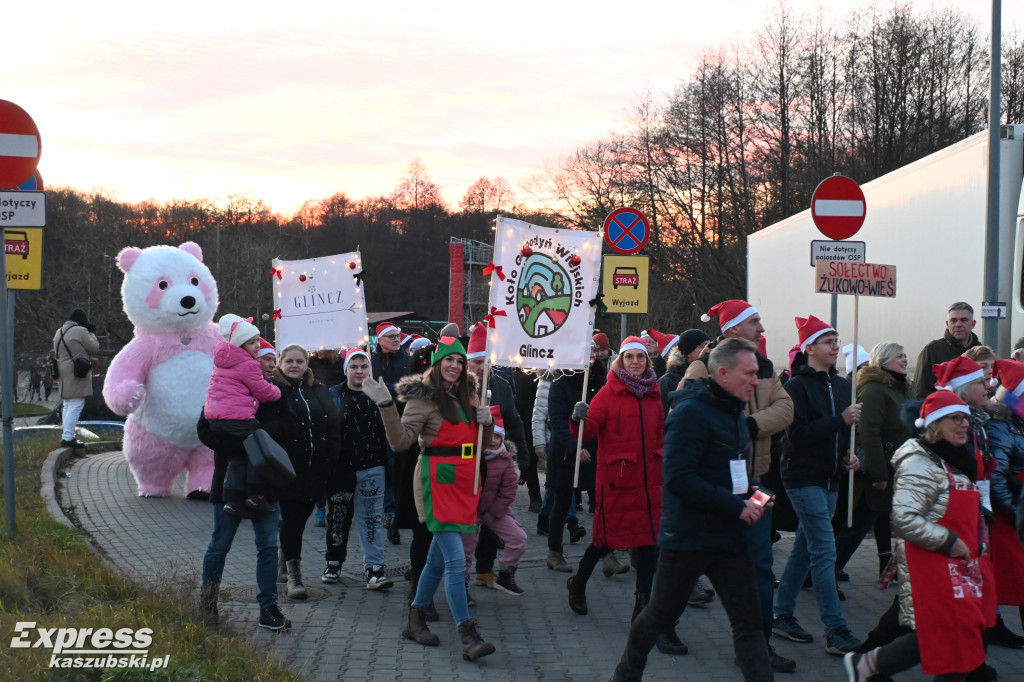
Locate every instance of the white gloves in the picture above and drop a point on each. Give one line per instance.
(376, 390)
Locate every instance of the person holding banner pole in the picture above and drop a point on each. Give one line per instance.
(562, 456)
(442, 413)
(628, 420)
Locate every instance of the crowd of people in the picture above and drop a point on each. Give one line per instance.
(691, 454)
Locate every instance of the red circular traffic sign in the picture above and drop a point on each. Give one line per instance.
(838, 207)
(626, 230)
(19, 145)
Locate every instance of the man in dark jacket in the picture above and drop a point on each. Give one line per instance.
(958, 338)
(390, 363)
(705, 513)
(817, 450)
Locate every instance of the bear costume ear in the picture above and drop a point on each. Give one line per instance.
(193, 248)
(127, 257)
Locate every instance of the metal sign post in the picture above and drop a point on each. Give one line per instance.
(7, 392)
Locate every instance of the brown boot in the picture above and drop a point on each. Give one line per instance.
(296, 590)
(610, 566)
(473, 646)
(416, 627)
(556, 562)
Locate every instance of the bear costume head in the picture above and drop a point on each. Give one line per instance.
(167, 289)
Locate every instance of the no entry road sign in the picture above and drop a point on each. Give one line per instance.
(626, 230)
(19, 145)
(838, 207)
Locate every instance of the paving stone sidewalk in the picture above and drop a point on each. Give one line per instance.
(354, 634)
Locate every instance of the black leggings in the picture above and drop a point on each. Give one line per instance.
(294, 514)
(419, 548)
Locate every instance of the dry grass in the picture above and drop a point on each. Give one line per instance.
(49, 575)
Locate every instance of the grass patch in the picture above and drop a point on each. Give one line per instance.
(28, 409)
(50, 575)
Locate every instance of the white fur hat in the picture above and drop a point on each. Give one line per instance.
(237, 330)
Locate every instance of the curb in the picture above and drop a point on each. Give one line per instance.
(54, 462)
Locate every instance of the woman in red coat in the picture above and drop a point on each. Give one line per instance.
(628, 420)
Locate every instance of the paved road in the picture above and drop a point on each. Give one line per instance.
(354, 634)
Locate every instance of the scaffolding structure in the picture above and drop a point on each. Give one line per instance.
(476, 286)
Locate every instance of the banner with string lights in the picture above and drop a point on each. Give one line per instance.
(319, 302)
(544, 284)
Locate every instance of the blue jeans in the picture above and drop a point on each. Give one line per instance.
(264, 527)
(813, 548)
(759, 546)
(446, 558)
(365, 505)
(549, 502)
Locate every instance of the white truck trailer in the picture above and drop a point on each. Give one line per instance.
(929, 220)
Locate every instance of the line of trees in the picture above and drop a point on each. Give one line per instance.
(739, 144)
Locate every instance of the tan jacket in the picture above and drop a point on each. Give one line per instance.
(82, 344)
(920, 497)
(420, 422)
(770, 406)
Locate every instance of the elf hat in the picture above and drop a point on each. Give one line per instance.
(237, 331)
(499, 423)
(266, 348)
(810, 328)
(862, 356)
(956, 373)
(351, 353)
(665, 341)
(386, 328)
(477, 341)
(1011, 375)
(447, 345)
(729, 313)
(938, 405)
(633, 343)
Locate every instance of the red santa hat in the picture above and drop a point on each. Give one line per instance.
(810, 328)
(601, 341)
(404, 339)
(729, 313)
(499, 423)
(1011, 375)
(956, 373)
(665, 341)
(351, 353)
(938, 405)
(267, 348)
(632, 343)
(386, 328)
(477, 342)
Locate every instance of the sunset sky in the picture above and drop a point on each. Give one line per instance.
(295, 101)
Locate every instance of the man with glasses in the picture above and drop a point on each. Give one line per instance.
(958, 338)
(817, 455)
(390, 364)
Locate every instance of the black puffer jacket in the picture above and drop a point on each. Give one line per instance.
(566, 391)
(818, 438)
(305, 422)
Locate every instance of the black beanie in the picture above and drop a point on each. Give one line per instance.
(78, 317)
(690, 339)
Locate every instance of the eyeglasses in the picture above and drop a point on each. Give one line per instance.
(959, 419)
(834, 343)
(391, 336)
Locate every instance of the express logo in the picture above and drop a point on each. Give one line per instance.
(89, 647)
(544, 288)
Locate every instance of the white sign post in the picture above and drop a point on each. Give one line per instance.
(319, 302)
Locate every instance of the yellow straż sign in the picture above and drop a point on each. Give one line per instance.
(626, 283)
(23, 247)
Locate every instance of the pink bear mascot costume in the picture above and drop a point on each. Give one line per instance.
(159, 379)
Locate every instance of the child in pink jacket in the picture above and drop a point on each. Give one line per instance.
(494, 510)
(237, 388)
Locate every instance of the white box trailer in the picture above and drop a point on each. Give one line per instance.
(929, 220)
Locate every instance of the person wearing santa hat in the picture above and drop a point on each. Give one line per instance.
(817, 454)
(390, 364)
(769, 412)
(650, 340)
(360, 467)
(502, 396)
(1006, 437)
(943, 578)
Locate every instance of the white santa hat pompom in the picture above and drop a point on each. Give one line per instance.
(705, 318)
